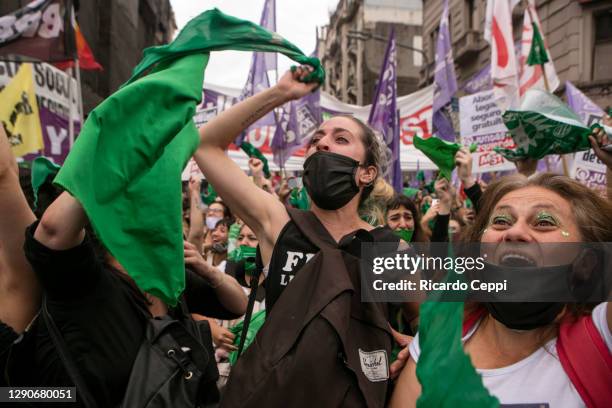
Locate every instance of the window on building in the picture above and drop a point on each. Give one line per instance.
(417, 57)
(603, 45)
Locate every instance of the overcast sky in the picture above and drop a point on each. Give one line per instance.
(295, 20)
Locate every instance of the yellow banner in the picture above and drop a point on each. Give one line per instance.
(19, 113)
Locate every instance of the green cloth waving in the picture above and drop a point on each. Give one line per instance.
(441, 153)
(125, 167)
(42, 169)
(252, 151)
(447, 377)
(209, 196)
(257, 320)
(544, 125)
(298, 198)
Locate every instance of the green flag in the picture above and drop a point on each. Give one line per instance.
(441, 153)
(209, 196)
(42, 169)
(410, 192)
(252, 151)
(544, 125)
(244, 253)
(299, 199)
(537, 53)
(420, 176)
(125, 167)
(447, 377)
(257, 320)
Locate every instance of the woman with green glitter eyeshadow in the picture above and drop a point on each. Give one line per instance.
(535, 354)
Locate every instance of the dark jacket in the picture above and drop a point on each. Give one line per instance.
(320, 345)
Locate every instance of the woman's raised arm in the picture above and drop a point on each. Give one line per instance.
(19, 290)
(259, 210)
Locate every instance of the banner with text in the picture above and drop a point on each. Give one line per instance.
(481, 123)
(415, 119)
(57, 98)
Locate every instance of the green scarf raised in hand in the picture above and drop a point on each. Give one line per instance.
(125, 167)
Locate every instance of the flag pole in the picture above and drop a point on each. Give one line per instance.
(547, 88)
(71, 111)
(79, 89)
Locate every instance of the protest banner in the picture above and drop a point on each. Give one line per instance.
(481, 123)
(415, 119)
(57, 98)
(587, 168)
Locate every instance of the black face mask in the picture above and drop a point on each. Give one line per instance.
(329, 179)
(525, 315)
(543, 281)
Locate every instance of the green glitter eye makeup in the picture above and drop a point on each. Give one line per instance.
(547, 217)
(501, 219)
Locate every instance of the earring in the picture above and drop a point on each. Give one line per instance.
(485, 230)
(565, 234)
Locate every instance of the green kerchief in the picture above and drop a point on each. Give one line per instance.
(441, 153)
(42, 169)
(125, 167)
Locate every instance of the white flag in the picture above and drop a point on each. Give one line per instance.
(531, 76)
(504, 67)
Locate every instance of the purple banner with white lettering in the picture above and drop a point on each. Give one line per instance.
(587, 168)
(481, 81)
(298, 121)
(588, 111)
(56, 136)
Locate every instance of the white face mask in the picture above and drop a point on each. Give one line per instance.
(211, 222)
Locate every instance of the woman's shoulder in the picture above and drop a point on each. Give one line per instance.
(382, 233)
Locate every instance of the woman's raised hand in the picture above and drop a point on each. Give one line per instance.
(289, 84)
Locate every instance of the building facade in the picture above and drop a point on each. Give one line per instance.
(352, 47)
(117, 32)
(578, 34)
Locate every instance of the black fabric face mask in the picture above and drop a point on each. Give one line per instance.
(543, 281)
(524, 315)
(329, 179)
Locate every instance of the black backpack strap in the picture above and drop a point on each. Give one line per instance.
(62, 349)
(249, 312)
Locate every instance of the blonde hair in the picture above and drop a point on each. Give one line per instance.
(373, 209)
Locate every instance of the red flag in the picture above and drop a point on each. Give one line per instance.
(504, 69)
(86, 57)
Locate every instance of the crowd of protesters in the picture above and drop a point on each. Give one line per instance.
(302, 273)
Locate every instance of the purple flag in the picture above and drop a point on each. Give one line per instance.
(261, 63)
(297, 122)
(481, 81)
(384, 115)
(588, 111)
(445, 80)
(268, 21)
